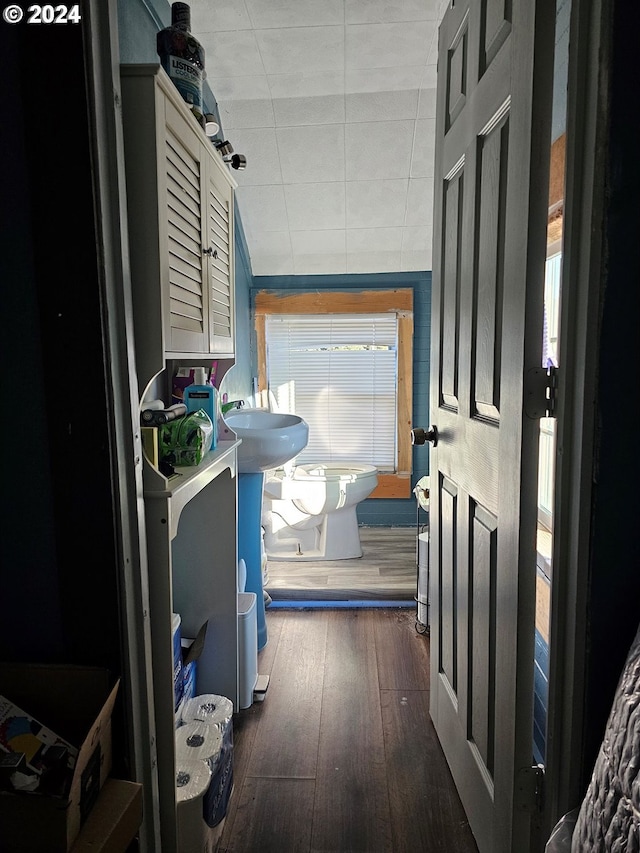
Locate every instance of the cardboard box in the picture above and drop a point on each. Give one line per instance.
(75, 702)
(114, 821)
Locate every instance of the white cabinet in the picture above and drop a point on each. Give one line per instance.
(192, 559)
(180, 210)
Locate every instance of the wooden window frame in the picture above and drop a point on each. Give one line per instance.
(398, 301)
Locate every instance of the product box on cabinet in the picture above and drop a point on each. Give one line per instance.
(75, 703)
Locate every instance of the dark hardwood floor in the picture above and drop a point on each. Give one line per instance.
(341, 756)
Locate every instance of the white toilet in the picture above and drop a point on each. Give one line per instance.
(309, 512)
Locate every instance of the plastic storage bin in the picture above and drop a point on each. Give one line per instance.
(247, 647)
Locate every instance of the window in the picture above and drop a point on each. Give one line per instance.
(339, 373)
(342, 360)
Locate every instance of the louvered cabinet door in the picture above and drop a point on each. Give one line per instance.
(187, 314)
(180, 223)
(219, 259)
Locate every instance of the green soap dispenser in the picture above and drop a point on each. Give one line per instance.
(202, 395)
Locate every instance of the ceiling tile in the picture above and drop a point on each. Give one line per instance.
(249, 87)
(311, 98)
(386, 11)
(319, 251)
(373, 249)
(376, 204)
(271, 243)
(260, 148)
(302, 49)
(231, 54)
(306, 84)
(393, 78)
(262, 208)
(416, 248)
(312, 207)
(422, 160)
(243, 101)
(323, 264)
(320, 109)
(208, 17)
(272, 265)
(373, 262)
(267, 14)
(375, 106)
(388, 45)
(332, 241)
(427, 103)
(374, 239)
(311, 154)
(384, 94)
(419, 202)
(246, 114)
(378, 150)
(427, 100)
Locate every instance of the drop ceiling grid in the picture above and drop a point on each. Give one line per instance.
(333, 104)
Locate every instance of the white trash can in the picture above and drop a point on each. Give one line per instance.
(247, 647)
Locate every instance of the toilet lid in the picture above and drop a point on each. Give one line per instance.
(333, 471)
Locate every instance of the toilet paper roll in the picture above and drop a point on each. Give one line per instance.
(199, 740)
(207, 742)
(208, 708)
(193, 779)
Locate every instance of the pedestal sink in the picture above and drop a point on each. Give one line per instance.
(269, 439)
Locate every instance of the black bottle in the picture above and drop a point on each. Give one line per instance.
(182, 57)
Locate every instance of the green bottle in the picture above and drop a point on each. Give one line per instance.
(182, 57)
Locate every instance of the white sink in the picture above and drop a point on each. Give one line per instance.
(269, 439)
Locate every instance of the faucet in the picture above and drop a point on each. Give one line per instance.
(232, 404)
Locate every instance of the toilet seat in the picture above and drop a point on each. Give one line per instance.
(332, 471)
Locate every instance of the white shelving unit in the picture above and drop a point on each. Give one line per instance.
(180, 224)
(192, 555)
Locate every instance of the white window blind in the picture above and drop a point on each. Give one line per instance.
(339, 373)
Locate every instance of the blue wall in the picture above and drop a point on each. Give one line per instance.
(382, 511)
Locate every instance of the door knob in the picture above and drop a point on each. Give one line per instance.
(421, 436)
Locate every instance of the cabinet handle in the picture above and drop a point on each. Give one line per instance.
(213, 253)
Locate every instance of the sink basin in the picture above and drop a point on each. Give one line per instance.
(269, 439)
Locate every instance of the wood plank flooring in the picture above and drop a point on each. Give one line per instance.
(387, 571)
(341, 756)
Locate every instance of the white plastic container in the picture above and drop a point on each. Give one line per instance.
(247, 647)
(423, 578)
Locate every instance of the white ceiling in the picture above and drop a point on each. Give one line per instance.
(333, 104)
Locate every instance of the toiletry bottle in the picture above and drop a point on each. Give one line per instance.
(202, 395)
(182, 57)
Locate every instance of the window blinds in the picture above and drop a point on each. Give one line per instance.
(339, 373)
